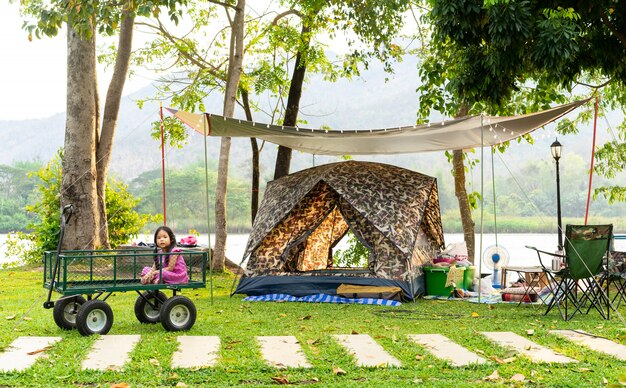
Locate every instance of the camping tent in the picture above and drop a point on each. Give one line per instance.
(394, 212)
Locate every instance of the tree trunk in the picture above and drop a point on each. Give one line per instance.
(283, 158)
(109, 124)
(235, 64)
(464, 207)
(254, 192)
(458, 168)
(78, 183)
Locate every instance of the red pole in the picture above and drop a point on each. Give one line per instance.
(593, 152)
(163, 164)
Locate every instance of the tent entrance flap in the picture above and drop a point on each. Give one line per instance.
(313, 250)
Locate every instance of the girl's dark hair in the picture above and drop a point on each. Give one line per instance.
(172, 245)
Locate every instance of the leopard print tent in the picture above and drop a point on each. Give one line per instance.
(393, 211)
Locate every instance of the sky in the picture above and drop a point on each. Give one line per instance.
(33, 74)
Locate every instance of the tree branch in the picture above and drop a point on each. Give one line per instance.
(284, 14)
(225, 5)
(595, 86)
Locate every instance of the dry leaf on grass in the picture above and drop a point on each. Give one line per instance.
(497, 359)
(282, 315)
(154, 362)
(10, 317)
(354, 332)
(338, 371)
(530, 332)
(120, 385)
(492, 377)
(419, 357)
(474, 314)
(180, 384)
(280, 380)
(518, 377)
(305, 318)
(38, 350)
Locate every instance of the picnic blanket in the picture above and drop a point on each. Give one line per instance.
(320, 298)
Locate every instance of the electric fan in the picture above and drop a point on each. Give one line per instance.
(494, 258)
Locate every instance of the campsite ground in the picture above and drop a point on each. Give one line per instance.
(237, 323)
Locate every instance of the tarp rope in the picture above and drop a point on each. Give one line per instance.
(493, 188)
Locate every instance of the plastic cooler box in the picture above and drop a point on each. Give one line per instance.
(436, 281)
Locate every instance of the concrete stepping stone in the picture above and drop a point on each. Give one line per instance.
(196, 352)
(22, 353)
(599, 344)
(535, 352)
(442, 347)
(366, 351)
(283, 352)
(110, 352)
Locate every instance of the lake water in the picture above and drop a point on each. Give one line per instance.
(514, 243)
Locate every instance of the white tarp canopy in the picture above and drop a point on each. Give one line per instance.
(463, 133)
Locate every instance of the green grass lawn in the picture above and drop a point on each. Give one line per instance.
(237, 323)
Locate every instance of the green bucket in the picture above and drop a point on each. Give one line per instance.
(436, 281)
(468, 278)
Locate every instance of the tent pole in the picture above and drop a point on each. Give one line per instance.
(163, 162)
(480, 244)
(208, 212)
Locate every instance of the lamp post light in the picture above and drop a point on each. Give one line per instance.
(555, 148)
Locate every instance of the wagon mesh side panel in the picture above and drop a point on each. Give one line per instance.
(95, 271)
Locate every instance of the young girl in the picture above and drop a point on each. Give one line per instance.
(166, 268)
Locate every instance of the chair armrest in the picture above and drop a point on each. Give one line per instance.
(544, 252)
(540, 252)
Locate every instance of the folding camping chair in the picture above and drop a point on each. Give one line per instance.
(577, 285)
(615, 278)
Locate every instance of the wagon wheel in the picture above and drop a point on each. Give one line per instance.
(94, 317)
(65, 311)
(178, 313)
(148, 305)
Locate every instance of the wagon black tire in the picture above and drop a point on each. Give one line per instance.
(178, 313)
(65, 311)
(94, 317)
(144, 312)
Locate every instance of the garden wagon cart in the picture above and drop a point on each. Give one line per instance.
(98, 273)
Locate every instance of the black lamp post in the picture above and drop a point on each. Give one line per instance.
(555, 148)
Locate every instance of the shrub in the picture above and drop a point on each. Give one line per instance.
(123, 221)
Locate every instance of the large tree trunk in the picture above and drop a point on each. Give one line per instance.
(254, 192)
(235, 64)
(464, 207)
(109, 124)
(78, 185)
(458, 168)
(283, 158)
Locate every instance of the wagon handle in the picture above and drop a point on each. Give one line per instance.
(66, 214)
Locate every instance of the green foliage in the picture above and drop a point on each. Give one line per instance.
(186, 197)
(124, 222)
(16, 191)
(89, 16)
(174, 132)
(509, 57)
(356, 255)
(44, 230)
